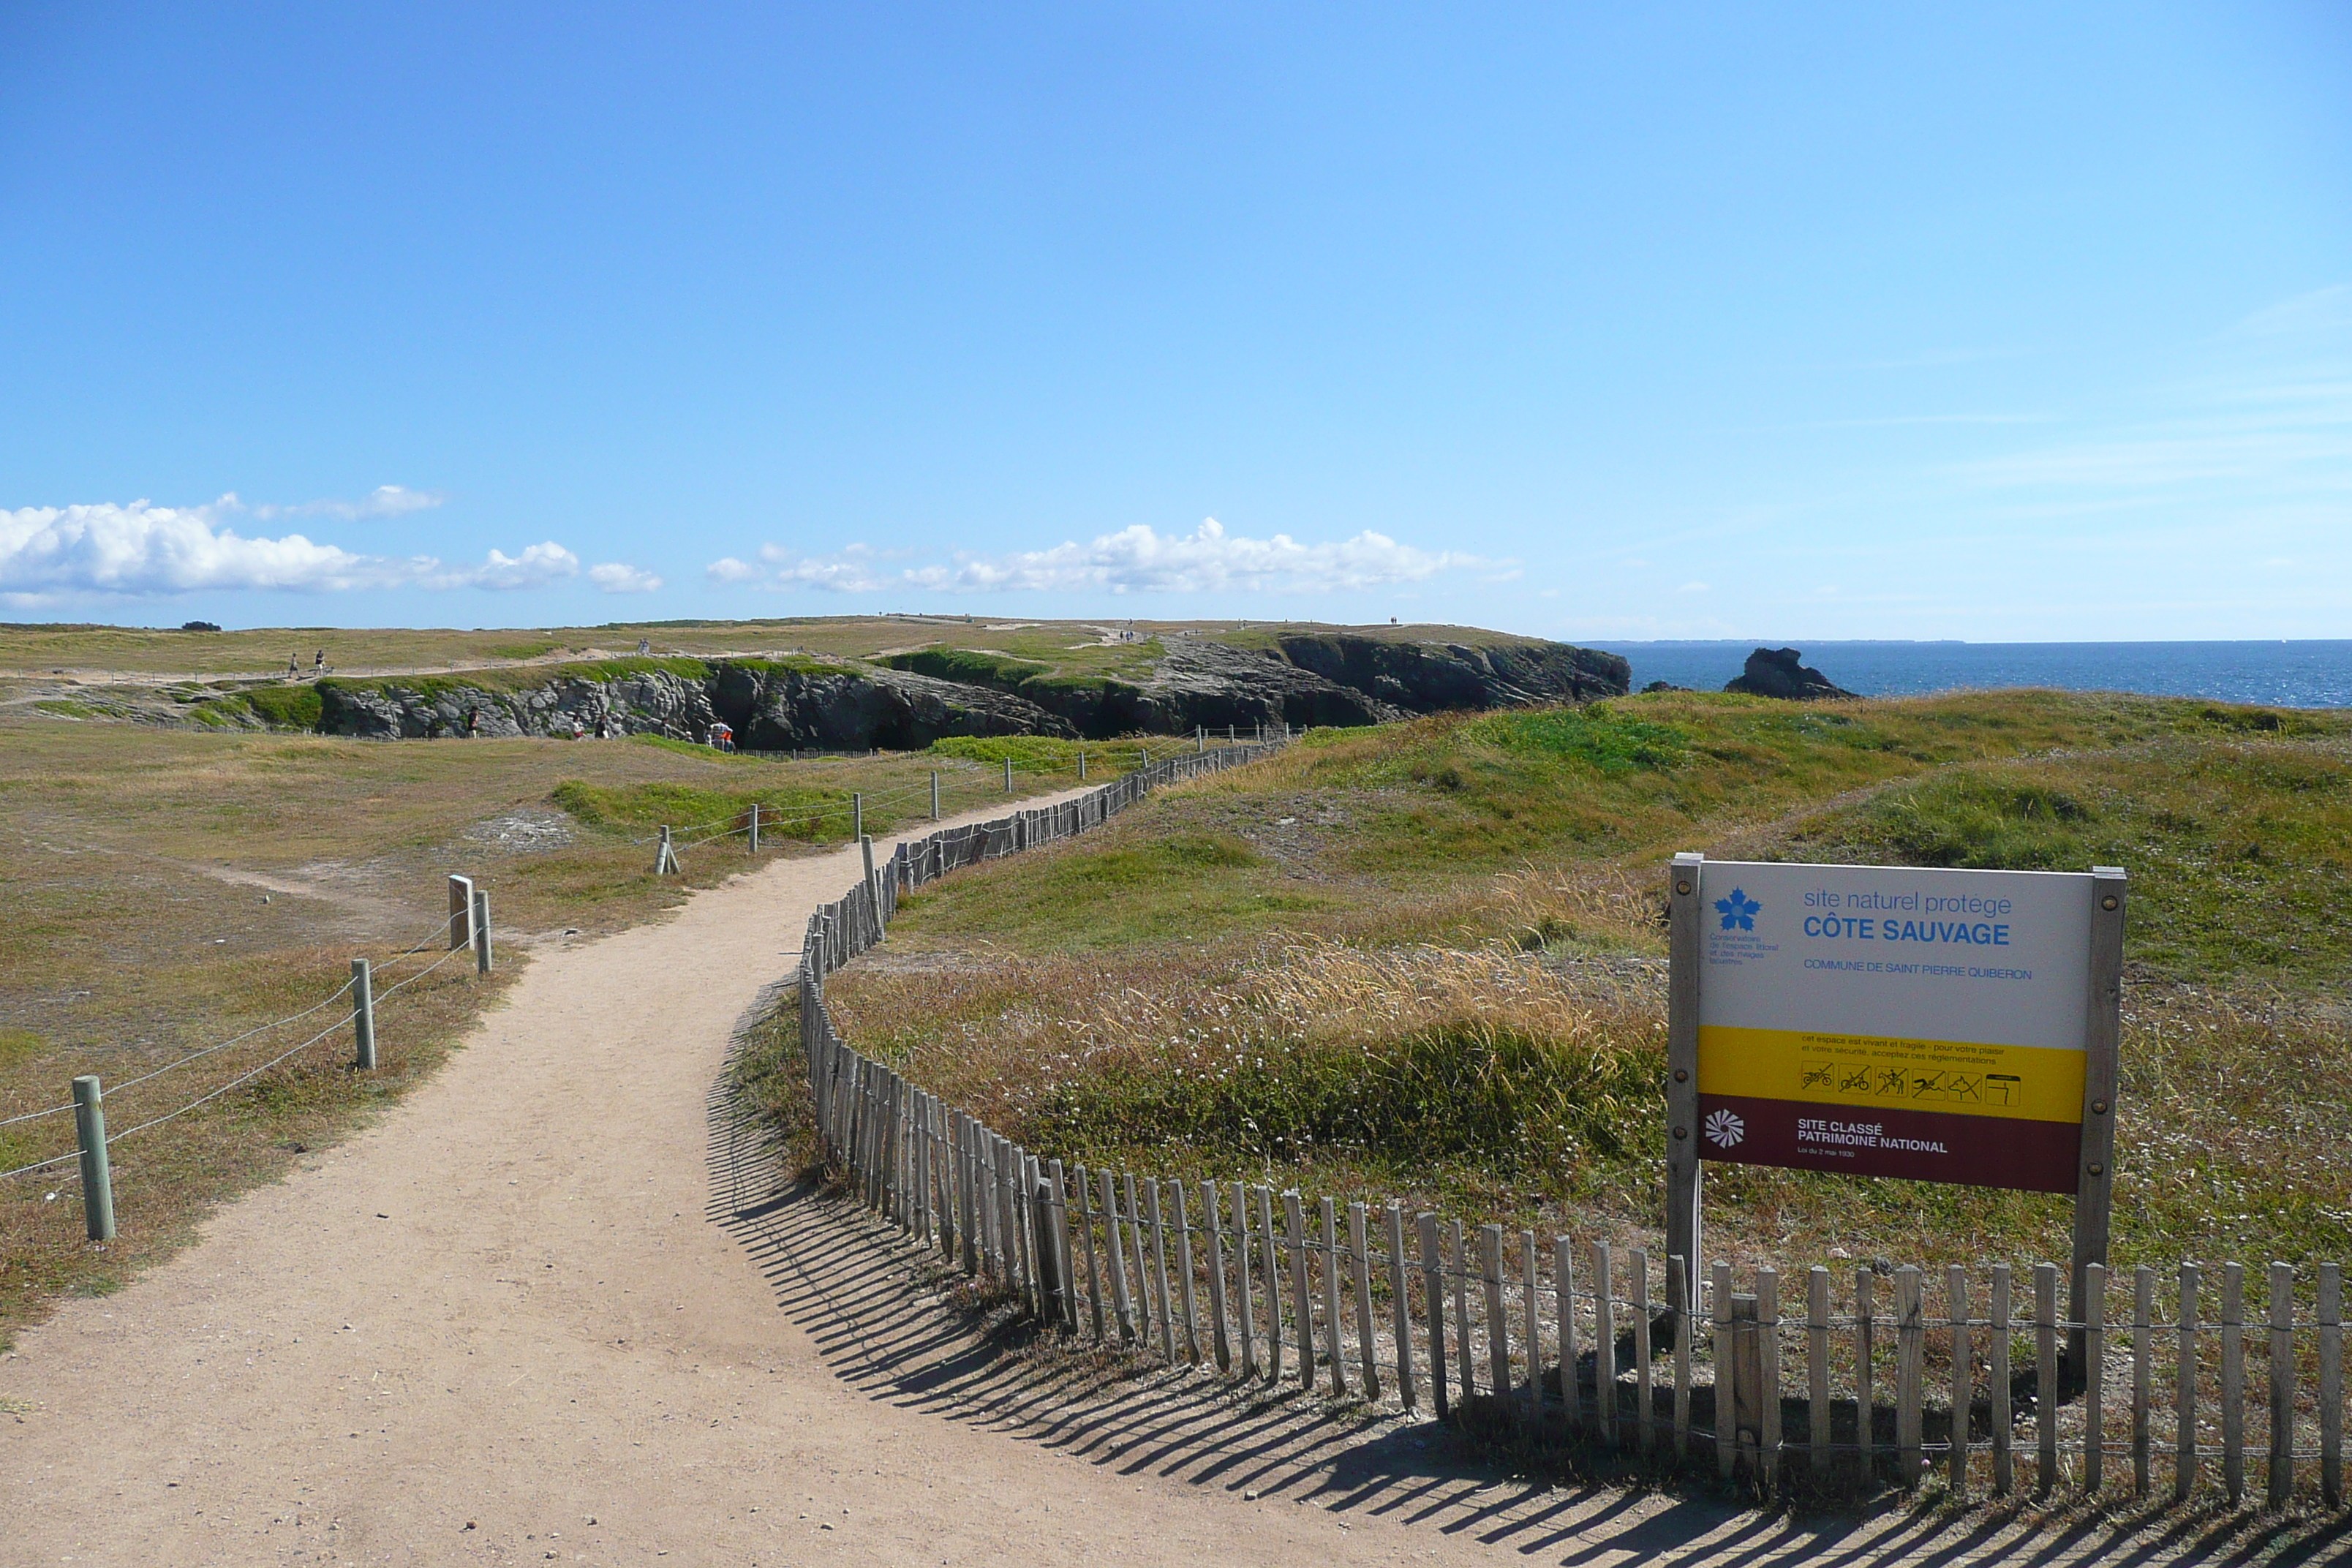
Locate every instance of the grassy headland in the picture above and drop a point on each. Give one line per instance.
(1425, 961)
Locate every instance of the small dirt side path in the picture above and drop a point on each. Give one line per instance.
(529, 1316)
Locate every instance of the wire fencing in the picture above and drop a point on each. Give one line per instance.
(93, 1136)
(2173, 1382)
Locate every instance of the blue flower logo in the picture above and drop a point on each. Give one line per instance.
(1738, 910)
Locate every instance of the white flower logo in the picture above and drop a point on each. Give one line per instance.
(1723, 1129)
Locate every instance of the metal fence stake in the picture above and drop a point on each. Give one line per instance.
(481, 932)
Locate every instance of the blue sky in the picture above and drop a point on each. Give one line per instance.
(2001, 322)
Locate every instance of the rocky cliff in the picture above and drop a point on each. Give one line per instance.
(911, 698)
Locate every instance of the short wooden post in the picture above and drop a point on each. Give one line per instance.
(2093, 1301)
(1637, 1260)
(1910, 1354)
(1563, 1286)
(1956, 1317)
(857, 815)
(1531, 1305)
(1008, 773)
(1817, 1373)
(664, 854)
(1094, 1263)
(1360, 1259)
(1244, 1310)
(1726, 1375)
(1335, 1321)
(1865, 1389)
(1082, 765)
(1159, 1272)
(461, 907)
(2331, 1385)
(1432, 1295)
(362, 1016)
(481, 932)
(1119, 1300)
(1679, 1304)
(1302, 1300)
(1997, 1329)
(1135, 1223)
(97, 1176)
(1273, 1286)
(753, 847)
(2184, 1391)
(1604, 1345)
(1746, 1382)
(2280, 1478)
(1184, 1276)
(2143, 1378)
(1767, 1369)
(1053, 1289)
(2234, 1380)
(1221, 1342)
(2046, 1368)
(1457, 1265)
(1498, 1330)
(935, 795)
(1399, 1303)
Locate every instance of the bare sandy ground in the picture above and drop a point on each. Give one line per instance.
(556, 1308)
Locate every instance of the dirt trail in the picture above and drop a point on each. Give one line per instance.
(549, 1309)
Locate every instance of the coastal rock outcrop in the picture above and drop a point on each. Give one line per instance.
(1782, 673)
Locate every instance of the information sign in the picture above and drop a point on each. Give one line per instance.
(1893, 1021)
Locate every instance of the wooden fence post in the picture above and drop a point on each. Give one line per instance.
(1302, 1300)
(1498, 1333)
(1727, 1375)
(1637, 1261)
(2046, 1368)
(1461, 1273)
(2184, 1406)
(2004, 1463)
(2280, 1478)
(1220, 1343)
(1679, 1302)
(1529, 1304)
(362, 1016)
(481, 932)
(97, 1176)
(1273, 1286)
(1817, 1373)
(2234, 1380)
(935, 795)
(2331, 1383)
(2143, 1377)
(461, 908)
(1768, 1370)
(1433, 1291)
(753, 846)
(2093, 1300)
(1244, 1310)
(1361, 1260)
(1604, 1345)
(1956, 1317)
(1184, 1276)
(1335, 1320)
(1399, 1303)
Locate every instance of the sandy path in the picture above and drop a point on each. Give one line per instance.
(529, 1317)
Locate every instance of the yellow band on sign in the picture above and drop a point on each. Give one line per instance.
(2030, 1083)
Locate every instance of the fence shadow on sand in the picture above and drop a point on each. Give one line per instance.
(886, 1319)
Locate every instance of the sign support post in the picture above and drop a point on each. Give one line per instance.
(1683, 1172)
(2102, 1023)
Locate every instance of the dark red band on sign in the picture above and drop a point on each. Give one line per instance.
(1917, 1145)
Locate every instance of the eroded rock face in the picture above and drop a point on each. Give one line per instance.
(770, 708)
(1310, 678)
(1782, 673)
(1432, 676)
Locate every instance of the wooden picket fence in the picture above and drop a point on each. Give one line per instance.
(1864, 1383)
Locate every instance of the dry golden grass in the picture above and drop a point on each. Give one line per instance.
(166, 890)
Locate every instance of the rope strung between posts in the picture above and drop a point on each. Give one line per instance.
(114, 1138)
(390, 991)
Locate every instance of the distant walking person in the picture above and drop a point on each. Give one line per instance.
(318, 662)
(644, 645)
(722, 737)
(473, 723)
(293, 665)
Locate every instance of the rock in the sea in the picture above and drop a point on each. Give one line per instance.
(1782, 673)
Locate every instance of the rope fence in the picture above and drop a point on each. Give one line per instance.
(1879, 1379)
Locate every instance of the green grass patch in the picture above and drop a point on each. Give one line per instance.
(287, 707)
(64, 706)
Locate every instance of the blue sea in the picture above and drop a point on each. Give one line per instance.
(2277, 674)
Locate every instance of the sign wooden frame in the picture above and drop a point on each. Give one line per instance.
(2094, 1167)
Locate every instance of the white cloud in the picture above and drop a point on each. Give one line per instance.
(1134, 559)
(614, 577)
(144, 548)
(384, 500)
